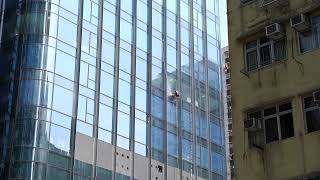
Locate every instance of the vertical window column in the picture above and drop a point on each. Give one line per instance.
(157, 84)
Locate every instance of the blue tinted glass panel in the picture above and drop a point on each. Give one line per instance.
(185, 36)
(62, 100)
(172, 5)
(141, 99)
(171, 113)
(108, 21)
(65, 65)
(156, 20)
(67, 31)
(217, 162)
(202, 129)
(211, 28)
(213, 53)
(84, 128)
(125, 30)
(141, 39)
(140, 149)
(105, 117)
(142, 11)
(70, 5)
(187, 150)
(61, 119)
(106, 84)
(210, 5)
(156, 48)
(141, 69)
(126, 5)
(157, 138)
(123, 142)
(124, 92)
(171, 28)
(104, 135)
(184, 10)
(125, 61)
(123, 124)
(108, 52)
(216, 133)
(157, 106)
(171, 56)
(141, 131)
(172, 144)
(186, 120)
(60, 139)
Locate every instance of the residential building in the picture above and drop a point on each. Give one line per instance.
(274, 59)
(111, 89)
(227, 110)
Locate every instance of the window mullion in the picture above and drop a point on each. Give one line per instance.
(258, 53)
(279, 124)
(264, 126)
(313, 39)
(272, 51)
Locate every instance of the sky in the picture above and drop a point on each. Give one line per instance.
(223, 23)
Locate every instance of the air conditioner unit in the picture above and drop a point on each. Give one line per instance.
(273, 3)
(316, 97)
(274, 31)
(300, 23)
(253, 124)
(245, 1)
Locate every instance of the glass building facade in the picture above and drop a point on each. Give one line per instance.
(111, 89)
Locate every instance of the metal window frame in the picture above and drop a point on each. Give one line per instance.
(312, 30)
(2, 6)
(305, 110)
(277, 115)
(258, 47)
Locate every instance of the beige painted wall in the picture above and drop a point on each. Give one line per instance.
(299, 75)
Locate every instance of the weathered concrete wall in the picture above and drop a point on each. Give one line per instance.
(289, 80)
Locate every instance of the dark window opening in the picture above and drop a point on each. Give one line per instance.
(286, 123)
(312, 114)
(270, 111)
(265, 53)
(271, 130)
(285, 107)
(313, 120)
(252, 60)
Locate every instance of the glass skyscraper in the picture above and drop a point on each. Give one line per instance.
(111, 90)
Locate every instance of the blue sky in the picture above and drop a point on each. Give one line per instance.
(223, 23)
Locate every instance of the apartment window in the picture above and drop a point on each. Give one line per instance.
(312, 114)
(228, 81)
(278, 121)
(310, 39)
(263, 52)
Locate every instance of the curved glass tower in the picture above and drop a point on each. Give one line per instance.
(110, 89)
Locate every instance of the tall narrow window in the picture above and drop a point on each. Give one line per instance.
(309, 40)
(312, 115)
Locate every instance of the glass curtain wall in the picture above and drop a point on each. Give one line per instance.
(142, 76)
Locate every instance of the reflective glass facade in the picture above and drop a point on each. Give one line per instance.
(106, 89)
